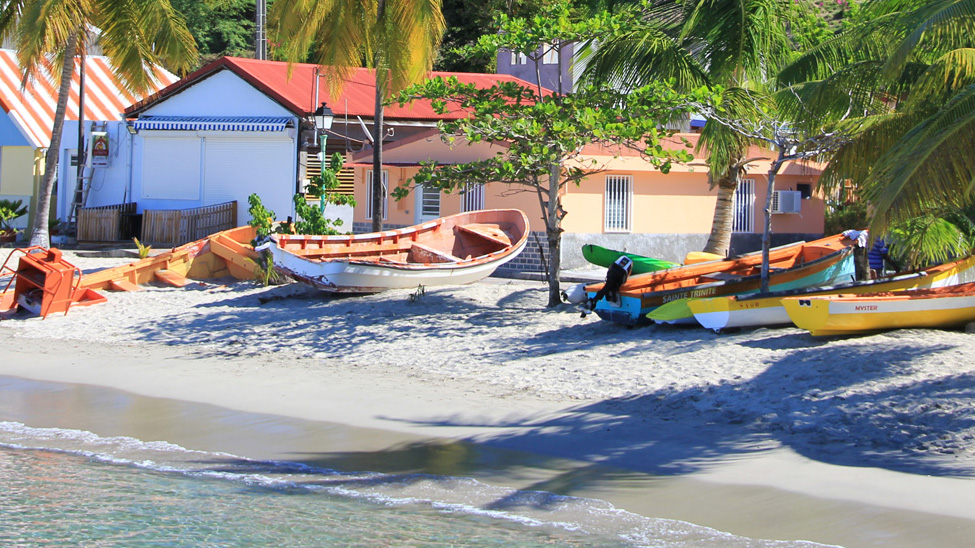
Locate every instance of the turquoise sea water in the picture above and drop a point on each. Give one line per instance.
(67, 486)
(73, 488)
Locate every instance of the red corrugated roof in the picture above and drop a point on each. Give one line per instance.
(296, 93)
(32, 109)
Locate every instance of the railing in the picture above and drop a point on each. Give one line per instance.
(178, 226)
(102, 224)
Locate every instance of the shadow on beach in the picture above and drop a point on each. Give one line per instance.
(851, 404)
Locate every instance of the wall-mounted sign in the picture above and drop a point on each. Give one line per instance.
(99, 149)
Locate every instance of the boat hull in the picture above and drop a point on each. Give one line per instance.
(632, 307)
(751, 311)
(346, 277)
(854, 314)
(455, 250)
(604, 257)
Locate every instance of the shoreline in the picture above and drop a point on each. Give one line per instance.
(766, 433)
(771, 492)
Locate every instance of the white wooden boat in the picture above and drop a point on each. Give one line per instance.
(454, 250)
(766, 310)
(939, 307)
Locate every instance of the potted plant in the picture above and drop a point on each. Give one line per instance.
(10, 210)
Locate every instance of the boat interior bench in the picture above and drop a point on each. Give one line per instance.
(420, 253)
(489, 232)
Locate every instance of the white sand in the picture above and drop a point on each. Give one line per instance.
(884, 421)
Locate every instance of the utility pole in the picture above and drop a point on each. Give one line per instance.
(260, 37)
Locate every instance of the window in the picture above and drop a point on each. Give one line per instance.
(518, 58)
(550, 55)
(743, 206)
(619, 203)
(473, 197)
(429, 203)
(369, 194)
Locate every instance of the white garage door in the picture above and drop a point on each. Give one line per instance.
(236, 167)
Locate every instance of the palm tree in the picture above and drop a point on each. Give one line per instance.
(136, 36)
(908, 72)
(397, 38)
(731, 43)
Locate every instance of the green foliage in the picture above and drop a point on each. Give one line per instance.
(262, 219)
(467, 21)
(220, 27)
(10, 210)
(143, 248)
(311, 219)
(847, 216)
(931, 239)
(264, 269)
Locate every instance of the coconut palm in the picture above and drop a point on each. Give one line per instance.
(397, 38)
(732, 43)
(908, 72)
(136, 36)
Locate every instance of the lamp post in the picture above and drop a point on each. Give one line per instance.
(323, 121)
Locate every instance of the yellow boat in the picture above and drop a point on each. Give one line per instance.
(941, 307)
(766, 310)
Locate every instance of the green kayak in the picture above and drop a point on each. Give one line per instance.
(604, 257)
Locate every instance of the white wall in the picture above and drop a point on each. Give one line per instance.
(222, 94)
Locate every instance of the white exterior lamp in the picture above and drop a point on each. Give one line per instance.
(323, 121)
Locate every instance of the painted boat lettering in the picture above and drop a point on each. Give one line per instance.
(865, 307)
(697, 293)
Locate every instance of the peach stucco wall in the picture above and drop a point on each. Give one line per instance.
(679, 202)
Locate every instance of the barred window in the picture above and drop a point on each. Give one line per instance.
(473, 197)
(743, 206)
(429, 206)
(369, 194)
(619, 203)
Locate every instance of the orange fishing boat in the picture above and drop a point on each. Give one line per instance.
(826, 261)
(458, 249)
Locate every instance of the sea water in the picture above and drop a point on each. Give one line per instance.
(72, 487)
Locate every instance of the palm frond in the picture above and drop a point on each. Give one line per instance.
(930, 164)
(939, 25)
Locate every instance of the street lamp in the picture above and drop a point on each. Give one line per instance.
(323, 121)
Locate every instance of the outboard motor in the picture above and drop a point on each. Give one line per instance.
(616, 276)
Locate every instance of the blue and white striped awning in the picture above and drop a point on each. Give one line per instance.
(213, 123)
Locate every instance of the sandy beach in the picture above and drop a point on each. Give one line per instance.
(767, 433)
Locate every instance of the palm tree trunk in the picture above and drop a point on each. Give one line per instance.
(39, 234)
(719, 241)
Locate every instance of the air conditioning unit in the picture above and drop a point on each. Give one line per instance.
(786, 201)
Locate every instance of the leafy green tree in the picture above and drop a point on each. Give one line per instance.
(468, 20)
(729, 43)
(397, 38)
(220, 27)
(137, 37)
(543, 133)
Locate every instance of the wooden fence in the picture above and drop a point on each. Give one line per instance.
(102, 224)
(175, 227)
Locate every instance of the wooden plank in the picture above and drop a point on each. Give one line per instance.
(434, 253)
(492, 233)
(172, 278)
(122, 285)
